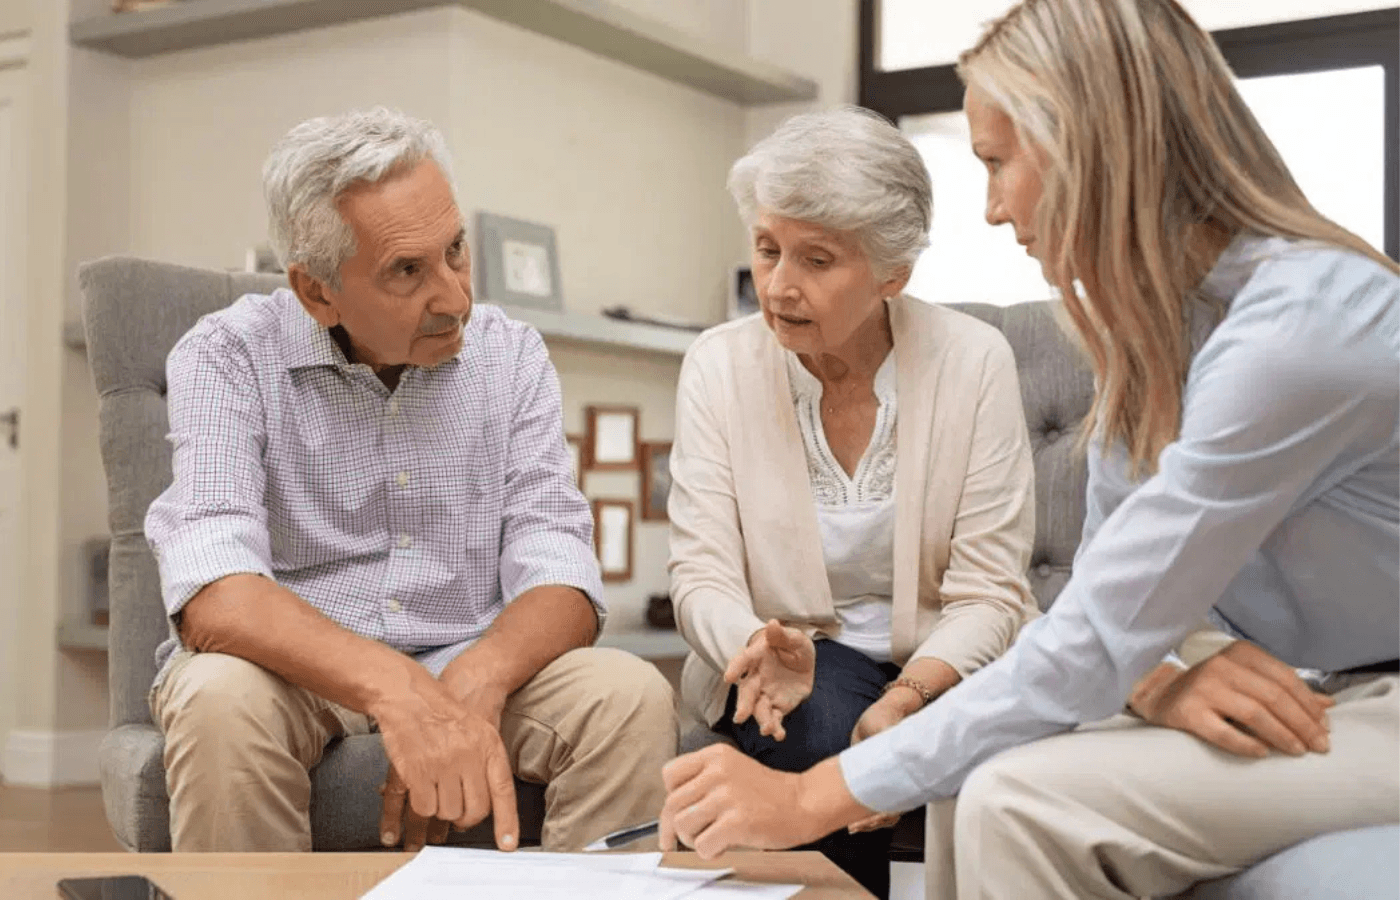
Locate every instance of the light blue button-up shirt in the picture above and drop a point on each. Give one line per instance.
(1277, 510)
(409, 517)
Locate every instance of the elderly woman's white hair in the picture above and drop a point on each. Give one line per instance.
(846, 169)
(318, 161)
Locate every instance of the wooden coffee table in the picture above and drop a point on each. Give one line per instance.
(344, 876)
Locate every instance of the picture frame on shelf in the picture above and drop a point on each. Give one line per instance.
(656, 480)
(517, 263)
(743, 296)
(610, 443)
(575, 445)
(612, 538)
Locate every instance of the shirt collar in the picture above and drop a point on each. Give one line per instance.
(307, 344)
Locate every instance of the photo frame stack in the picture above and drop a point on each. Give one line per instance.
(611, 443)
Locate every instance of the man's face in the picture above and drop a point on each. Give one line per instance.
(405, 296)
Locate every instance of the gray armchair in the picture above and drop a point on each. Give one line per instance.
(134, 311)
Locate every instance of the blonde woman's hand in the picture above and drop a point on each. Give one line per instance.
(1242, 700)
(774, 674)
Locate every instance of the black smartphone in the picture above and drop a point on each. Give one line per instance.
(111, 887)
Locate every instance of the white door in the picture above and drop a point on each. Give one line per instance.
(13, 323)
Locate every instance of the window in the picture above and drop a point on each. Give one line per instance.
(1326, 91)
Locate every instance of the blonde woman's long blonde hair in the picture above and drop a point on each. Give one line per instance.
(1148, 151)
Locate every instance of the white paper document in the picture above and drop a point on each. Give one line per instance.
(439, 873)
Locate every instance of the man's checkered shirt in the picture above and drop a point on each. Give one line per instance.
(409, 517)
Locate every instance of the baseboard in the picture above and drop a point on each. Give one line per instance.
(51, 758)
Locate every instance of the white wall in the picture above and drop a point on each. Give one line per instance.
(30, 703)
(97, 223)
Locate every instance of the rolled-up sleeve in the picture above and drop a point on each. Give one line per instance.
(1267, 419)
(984, 594)
(547, 527)
(211, 521)
(714, 610)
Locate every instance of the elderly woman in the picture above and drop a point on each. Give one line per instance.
(851, 467)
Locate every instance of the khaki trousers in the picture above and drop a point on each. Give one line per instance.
(595, 726)
(1122, 809)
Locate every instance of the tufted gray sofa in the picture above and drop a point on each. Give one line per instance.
(1056, 390)
(134, 311)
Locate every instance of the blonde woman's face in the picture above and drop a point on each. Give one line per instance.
(1013, 169)
(815, 285)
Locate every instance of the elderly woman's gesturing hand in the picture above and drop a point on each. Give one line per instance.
(774, 674)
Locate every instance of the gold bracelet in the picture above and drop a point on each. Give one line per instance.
(917, 686)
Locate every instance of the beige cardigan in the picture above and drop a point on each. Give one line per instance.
(745, 545)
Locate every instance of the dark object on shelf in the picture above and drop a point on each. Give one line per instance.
(660, 612)
(96, 551)
(625, 314)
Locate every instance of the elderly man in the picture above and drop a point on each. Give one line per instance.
(373, 525)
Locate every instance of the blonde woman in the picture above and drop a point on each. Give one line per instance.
(1243, 463)
(852, 506)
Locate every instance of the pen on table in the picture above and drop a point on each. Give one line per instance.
(625, 836)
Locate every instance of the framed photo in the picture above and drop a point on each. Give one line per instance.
(575, 442)
(517, 263)
(611, 442)
(656, 480)
(743, 298)
(612, 538)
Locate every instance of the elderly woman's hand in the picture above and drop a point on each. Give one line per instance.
(774, 674)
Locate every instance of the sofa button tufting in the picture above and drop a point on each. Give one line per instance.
(1043, 570)
(1052, 435)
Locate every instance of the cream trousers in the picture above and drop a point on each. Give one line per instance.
(595, 726)
(1122, 809)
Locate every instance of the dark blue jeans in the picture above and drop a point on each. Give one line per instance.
(844, 686)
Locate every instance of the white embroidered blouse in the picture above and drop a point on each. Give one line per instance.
(855, 513)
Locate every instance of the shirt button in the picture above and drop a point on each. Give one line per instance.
(395, 605)
(403, 479)
(394, 407)
(405, 542)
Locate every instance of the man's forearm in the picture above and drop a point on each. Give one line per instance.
(256, 619)
(532, 631)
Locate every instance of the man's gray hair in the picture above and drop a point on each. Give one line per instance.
(847, 169)
(318, 161)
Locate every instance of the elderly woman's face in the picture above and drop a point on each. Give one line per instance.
(405, 295)
(815, 285)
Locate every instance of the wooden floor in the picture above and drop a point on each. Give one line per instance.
(67, 820)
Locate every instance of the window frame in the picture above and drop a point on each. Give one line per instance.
(1369, 38)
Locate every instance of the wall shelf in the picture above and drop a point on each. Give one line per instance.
(82, 636)
(654, 643)
(577, 328)
(598, 330)
(598, 26)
